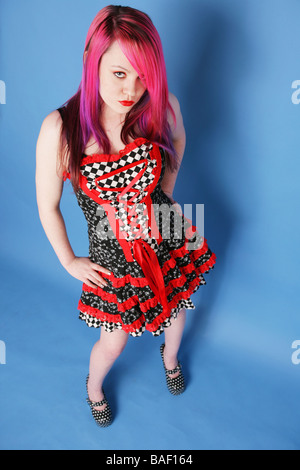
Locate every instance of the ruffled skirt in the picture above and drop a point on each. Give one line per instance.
(128, 303)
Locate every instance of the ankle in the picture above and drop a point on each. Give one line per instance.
(170, 360)
(94, 389)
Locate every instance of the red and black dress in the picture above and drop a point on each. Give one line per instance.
(156, 263)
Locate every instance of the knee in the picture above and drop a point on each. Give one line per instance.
(113, 351)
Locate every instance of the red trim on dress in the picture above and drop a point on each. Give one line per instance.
(145, 306)
(66, 175)
(111, 211)
(139, 250)
(150, 303)
(112, 157)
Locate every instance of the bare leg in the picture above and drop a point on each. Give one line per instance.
(173, 337)
(104, 354)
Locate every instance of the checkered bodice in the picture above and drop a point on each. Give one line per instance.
(124, 183)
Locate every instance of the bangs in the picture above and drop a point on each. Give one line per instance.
(145, 57)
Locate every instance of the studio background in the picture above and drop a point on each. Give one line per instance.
(232, 65)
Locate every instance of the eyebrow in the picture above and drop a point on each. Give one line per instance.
(120, 67)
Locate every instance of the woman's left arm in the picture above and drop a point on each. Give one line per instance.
(179, 142)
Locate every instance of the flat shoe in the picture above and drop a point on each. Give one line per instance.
(103, 418)
(176, 385)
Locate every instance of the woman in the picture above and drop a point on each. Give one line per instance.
(120, 140)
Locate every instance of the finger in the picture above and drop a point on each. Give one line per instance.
(97, 279)
(91, 284)
(101, 268)
(95, 275)
(178, 207)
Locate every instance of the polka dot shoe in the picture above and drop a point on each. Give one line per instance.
(176, 385)
(103, 418)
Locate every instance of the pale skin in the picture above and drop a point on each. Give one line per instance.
(118, 81)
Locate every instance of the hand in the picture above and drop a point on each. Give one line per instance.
(177, 207)
(87, 271)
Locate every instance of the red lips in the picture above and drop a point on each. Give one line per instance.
(127, 103)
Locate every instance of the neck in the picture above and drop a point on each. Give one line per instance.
(110, 119)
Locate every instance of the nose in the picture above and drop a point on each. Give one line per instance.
(129, 89)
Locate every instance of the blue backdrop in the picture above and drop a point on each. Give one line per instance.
(233, 66)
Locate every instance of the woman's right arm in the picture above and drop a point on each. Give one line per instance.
(49, 188)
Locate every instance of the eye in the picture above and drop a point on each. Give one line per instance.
(122, 73)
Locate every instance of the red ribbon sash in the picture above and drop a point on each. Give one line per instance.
(147, 259)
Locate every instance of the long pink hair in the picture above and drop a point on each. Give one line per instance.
(141, 44)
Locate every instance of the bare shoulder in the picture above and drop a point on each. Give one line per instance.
(173, 100)
(178, 131)
(48, 148)
(51, 126)
(48, 142)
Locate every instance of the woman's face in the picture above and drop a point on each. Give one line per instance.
(120, 86)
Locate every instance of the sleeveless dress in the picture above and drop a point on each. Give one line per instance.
(156, 256)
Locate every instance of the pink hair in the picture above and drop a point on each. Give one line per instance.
(141, 44)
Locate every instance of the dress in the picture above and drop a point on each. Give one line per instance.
(156, 262)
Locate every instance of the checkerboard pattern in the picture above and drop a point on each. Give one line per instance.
(109, 327)
(104, 181)
(117, 175)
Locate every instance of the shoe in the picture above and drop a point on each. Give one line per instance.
(103, 418)
(176, 385)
